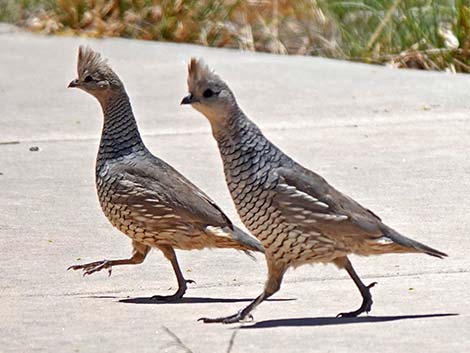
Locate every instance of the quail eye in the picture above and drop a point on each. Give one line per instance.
(88, 78)
(208, 93)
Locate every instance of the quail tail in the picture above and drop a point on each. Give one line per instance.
(238, 239)
(247, 240)
(410, 243)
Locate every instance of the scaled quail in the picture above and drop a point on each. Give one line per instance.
(298, 217)
(140, 194)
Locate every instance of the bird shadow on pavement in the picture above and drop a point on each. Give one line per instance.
(194, 300)
(328, 321)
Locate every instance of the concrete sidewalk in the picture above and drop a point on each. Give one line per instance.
(397, 141)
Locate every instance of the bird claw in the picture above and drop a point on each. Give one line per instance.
(349, 314)
(366, 305)
(178, 295)
(167, 298)
(232, 319)
(92, 267)
(365, 308)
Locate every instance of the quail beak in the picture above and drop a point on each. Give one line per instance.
(73, 84)
(189, 99)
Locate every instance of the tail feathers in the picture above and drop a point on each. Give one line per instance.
(247, 242)
(410, 243)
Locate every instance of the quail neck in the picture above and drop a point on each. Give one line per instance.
(120, 135)
(240, 136)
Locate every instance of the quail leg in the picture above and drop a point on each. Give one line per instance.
(169, 253)
(273, 284)
(139, 253)
(365, 290)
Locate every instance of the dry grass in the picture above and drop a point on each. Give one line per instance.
(288, 27)
(424, 34)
